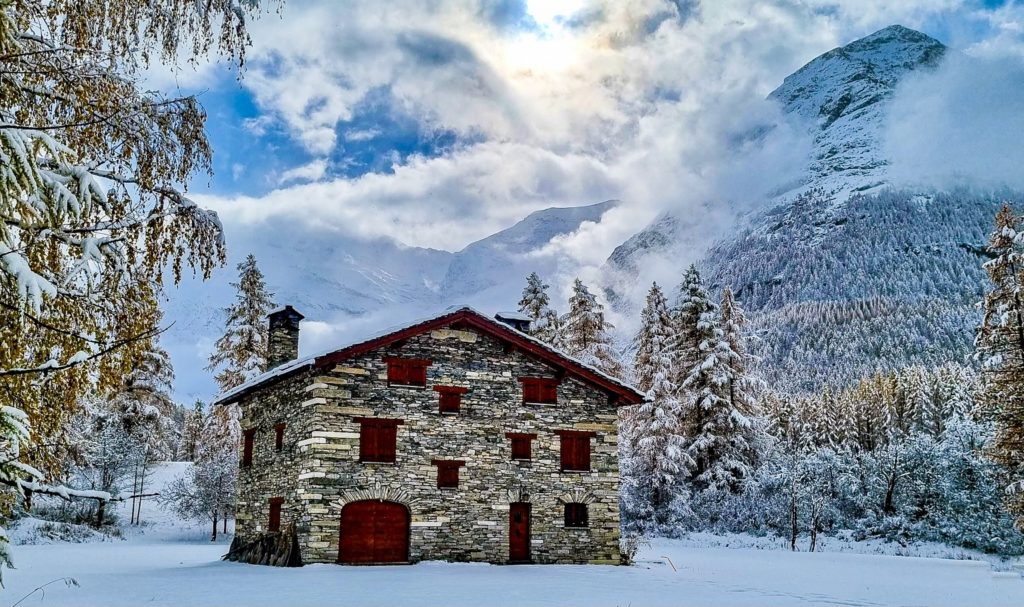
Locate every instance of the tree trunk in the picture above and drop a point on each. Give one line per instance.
(213, 536)
(225, 522)
(794, 528)
(27, 503)
(101, 512)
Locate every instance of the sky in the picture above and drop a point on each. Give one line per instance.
(436, 123)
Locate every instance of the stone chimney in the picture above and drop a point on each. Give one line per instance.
(283, 333)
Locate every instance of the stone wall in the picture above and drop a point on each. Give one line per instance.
(273, 473)
(468, 523)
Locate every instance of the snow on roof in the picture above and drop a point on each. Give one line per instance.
(308, 361)
(284, 309)
(513, 316)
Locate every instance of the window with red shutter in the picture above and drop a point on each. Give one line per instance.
(279, 436)
(576, 515)
(575, 449)
(521, 444)
(540, 390)
(377, 438)
(248, 437)
(407, 371)
(274, 523)
(449, 398)
(448, 472)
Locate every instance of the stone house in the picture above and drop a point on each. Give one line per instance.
(456, 438)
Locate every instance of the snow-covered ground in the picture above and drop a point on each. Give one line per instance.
(172, 563)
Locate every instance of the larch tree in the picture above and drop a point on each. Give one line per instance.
(1000, 349)
(216, 467)
(653, 342)
(191, 431)
(93, 212)
(241, 353)
(586, 332)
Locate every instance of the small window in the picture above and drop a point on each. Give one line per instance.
(279, 436)
(521, 444)
(575, 450)
(407, 371)
(377, 438)
(248, 436)
(274, 523)
(576, 515)
(539, 390)
(449, 398)
(448, 472)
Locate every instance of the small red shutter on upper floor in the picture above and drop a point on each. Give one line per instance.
(521, 444)
(542, 390)
(248, 437)
(279, 436)
(448, 471)
(575, 449)
(274, 523)
(449, 398)
(407, 371)
(377, 439)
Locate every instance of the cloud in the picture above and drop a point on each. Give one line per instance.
(960, 124)
(312, 171)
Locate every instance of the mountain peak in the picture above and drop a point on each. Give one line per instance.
(842, 96)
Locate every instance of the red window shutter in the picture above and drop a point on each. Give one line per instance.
(274, 524)
(398, 373)
(448, 472)
(407, 371)
(449, 398)
(279, 436)
(248, 437)
(548, 393)
(575, 449)
(377, 438)
(541, 390)
(576, 515)
(521, 444)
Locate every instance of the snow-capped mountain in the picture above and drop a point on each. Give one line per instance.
(840, 98)
(841, 273)
(341, 283)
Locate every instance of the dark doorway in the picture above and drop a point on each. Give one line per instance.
(519, 532)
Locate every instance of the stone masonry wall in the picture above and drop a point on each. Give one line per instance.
(468, 523)
(273, 473)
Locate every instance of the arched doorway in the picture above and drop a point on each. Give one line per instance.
(373, 532)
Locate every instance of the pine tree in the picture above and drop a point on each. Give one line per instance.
(654, 340)
(585, 332)
(1000, 348)
(719, 434)
(657, 461)
(241, 352)
(535, 300)
(741, 384)
(692, 303)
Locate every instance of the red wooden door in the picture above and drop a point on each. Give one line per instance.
(519, 532)
(374, 532)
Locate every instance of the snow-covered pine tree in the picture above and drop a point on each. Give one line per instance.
(741, 385)
(653, 342)
(586, 332)
(718, 434)
(1000, 348)
(657, 460)
(241, 352)
(534, 304)
(692, 303)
